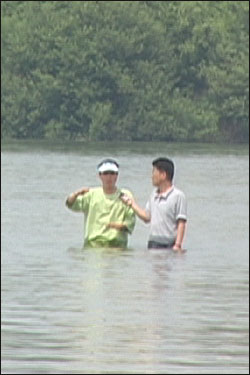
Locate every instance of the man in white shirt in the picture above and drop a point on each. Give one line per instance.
(166, 209)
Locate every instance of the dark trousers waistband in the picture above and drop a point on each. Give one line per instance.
(158, 245)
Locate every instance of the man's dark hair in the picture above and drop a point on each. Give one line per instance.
(165, 165)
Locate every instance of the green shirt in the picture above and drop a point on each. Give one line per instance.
(100, 209)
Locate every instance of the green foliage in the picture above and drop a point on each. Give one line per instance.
(133, 70)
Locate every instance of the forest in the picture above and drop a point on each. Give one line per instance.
(174, 71)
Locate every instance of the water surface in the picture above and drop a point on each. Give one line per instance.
(70, 310)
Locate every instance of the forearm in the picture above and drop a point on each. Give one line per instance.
(118, 226)
(180, 234)
(142, 214)
(72, 197)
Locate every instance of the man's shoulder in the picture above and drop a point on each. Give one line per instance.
(177, 192)
(95, 190)
(93, 193)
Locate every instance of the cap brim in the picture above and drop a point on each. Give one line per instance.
(108, 167)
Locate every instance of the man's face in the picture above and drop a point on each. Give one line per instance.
(108, 179)
(158, 176)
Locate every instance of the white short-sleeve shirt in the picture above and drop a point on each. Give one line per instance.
(165, 210)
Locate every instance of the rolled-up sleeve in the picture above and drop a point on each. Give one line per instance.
(81, 203)
(130, 219)
(181, 207)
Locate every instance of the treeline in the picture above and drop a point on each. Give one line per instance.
(125, 70)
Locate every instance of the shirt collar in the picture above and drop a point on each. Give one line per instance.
(163, 195)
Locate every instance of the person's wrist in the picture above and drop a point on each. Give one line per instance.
(177, 245)
(74, 195)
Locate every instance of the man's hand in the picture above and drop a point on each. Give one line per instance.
(130, 202)
(71, 199)
(178, 248)
(118, 226)
(126, 199)
(82, 191)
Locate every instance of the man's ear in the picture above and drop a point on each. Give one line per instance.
(165, 173)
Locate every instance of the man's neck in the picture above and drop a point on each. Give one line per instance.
(164, 187)
(109, 190)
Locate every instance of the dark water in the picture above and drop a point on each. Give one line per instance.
(66, 310)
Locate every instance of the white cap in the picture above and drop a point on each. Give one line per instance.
(108, 165)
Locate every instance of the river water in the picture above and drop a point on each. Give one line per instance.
(66, 310)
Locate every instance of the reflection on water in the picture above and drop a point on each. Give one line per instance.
(66, 309)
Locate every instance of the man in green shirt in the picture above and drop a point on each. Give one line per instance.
(107, 220)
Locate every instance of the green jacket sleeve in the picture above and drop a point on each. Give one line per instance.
(81, 203)
(130, 219)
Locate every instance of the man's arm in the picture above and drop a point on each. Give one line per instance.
(72, 197)
(181, 227)
(142, 214)
(118, 226)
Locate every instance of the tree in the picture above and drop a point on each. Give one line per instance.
(134, 70)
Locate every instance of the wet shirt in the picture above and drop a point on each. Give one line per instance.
(165, 211)
(100, 209)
